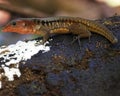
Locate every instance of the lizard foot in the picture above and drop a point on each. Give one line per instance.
(77, 38)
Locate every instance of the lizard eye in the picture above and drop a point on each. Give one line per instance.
(13, 23)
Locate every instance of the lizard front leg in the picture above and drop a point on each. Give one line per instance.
(45, 33)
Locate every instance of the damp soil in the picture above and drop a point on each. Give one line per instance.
(69, 69)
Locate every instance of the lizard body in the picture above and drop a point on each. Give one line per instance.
(59, 25)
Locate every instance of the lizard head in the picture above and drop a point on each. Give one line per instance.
(20, 26)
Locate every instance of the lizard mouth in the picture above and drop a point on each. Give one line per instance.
(3, 30)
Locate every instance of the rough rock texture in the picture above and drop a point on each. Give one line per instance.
(92, 69)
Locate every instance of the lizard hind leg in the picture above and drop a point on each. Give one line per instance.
(77, 38)
(80, 30)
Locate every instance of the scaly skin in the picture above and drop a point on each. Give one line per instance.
(59, 25)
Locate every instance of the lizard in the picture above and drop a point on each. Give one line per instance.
(47, 26)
